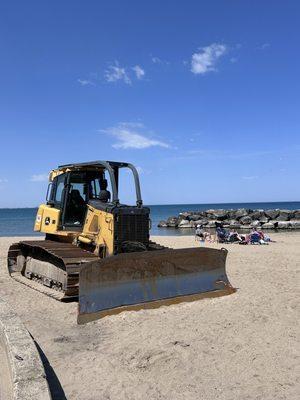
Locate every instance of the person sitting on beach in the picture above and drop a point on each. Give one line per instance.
(255, 237)
(264, 237)
(221, 234)
(201, 234)
(234, 236)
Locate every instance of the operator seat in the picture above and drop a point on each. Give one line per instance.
(76, 207)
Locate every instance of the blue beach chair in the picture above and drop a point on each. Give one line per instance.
(255, 238)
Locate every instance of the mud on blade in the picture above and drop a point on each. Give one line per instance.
(134, 281)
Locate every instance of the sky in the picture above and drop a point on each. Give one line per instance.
(203, 97)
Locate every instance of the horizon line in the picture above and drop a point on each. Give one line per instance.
(179, 204)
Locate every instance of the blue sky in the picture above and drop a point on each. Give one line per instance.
(202, 96)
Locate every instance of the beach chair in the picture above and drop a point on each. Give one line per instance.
(222, 235)
(255, 238)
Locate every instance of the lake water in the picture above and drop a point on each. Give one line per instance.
(19, 221)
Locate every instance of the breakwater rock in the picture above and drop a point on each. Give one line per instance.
(241, 218)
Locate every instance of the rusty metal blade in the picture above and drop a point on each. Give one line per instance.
(150, 279)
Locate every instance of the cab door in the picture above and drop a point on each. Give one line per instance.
(49, 215)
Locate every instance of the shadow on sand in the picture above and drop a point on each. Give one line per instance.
(56, 390)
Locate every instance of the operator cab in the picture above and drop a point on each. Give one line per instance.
(77, 185)
(72, 191)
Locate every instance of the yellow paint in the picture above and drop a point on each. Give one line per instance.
(84, 239)
(98, 228)
(47, 219)
(99, 225)
(38, 218)
(56, 172)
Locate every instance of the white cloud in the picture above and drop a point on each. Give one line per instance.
(116, 73)
(139, 72)
(128, 136)
(39, 178)
(205, 60)
(85, 82)
(249, 178)
(156, 60)
(263, 46)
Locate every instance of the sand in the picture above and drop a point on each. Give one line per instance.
(242, 346)
(5, 378)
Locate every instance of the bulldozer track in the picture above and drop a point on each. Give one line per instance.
(63, 256)
(17, 276)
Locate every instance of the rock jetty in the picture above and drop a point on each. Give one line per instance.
(241, 218)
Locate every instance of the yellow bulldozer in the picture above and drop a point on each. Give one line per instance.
(98, 250)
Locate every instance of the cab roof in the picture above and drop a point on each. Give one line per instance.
(98, 163)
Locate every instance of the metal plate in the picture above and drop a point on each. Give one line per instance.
(150, 279)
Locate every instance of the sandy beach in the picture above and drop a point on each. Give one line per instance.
(242, 346)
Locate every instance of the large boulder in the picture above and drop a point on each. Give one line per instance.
(272, 214)
(184, 223)
(255, 224)
(209, 214)
(194, 217)
(272, 224)
(211, 211)
(246, 220)
(284, 215)
(269, 225)
(172, 222)
(263, 219)
(220, 214)
(203, 221)
(240, 213)
(234, 224)
(162, 224)
(231, 214)
(211, 224)
(283, 224)
(180, 218)
(257, 214)
(295, 224)
(226, 222)
(295, 215)
(201, 213)
(194, 224)
(184, 214)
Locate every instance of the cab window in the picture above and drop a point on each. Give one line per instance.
(58, 189)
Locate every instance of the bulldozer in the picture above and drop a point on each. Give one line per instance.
(98, 251)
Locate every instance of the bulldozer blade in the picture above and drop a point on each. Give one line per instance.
(150, 279)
